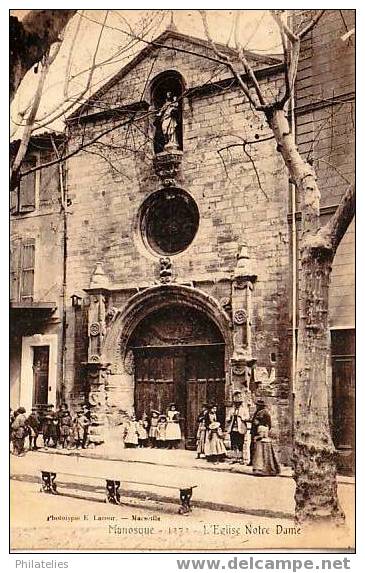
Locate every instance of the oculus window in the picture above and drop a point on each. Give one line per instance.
(169, 221)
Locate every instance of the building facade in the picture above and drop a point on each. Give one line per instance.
(37, 282)
(176, 247)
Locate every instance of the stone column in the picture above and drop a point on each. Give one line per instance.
(243, 282)
(97, 369)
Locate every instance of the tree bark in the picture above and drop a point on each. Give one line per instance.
(314, 453)
(31, 38)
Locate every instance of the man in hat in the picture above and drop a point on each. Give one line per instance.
(236, 425)
(261, 417)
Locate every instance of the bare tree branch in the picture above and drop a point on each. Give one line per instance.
(337, 226)
(311, 24)
(47, 61)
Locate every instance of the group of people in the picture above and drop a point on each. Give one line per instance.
(249, 438)
(59, 429)
(158, 430)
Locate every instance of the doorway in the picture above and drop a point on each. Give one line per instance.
(179, 357)
(40, 375)
(343, 398)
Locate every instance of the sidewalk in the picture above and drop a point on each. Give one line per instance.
(234, 491)
(169, 458)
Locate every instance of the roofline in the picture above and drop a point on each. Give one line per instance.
(201, 90)
(157, 44)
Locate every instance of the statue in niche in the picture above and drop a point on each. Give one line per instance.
(167, 120)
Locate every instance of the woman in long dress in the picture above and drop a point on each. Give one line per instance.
(173, 431)
(264, 461)
(215, 450)
(201, 433)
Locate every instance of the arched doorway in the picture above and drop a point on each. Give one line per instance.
(179, 356)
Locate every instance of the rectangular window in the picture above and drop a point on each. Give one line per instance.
(23, 198)
(27, 271)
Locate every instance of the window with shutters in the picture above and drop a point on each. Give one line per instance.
(14, 269)
(27, 271)
(23, 198)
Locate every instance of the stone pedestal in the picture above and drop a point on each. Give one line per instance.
(167, 166)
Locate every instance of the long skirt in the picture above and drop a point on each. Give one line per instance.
(264, 460)
(173, 431)
(214, 445)
(200, 441)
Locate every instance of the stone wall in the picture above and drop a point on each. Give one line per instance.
(242, 197)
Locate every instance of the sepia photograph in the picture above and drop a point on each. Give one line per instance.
(182, 280)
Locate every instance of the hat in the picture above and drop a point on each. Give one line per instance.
(162, 417)
(155, 412)
(214, 426)
(172, 404)
(21, 410)
(260, 402)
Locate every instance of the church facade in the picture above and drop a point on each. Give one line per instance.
(178, 227)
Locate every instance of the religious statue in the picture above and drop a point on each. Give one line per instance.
(167, 123)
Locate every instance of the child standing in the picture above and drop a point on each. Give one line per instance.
(153, 427)
(131, 433)
(161, 431)
(142, 427)
(173, 432)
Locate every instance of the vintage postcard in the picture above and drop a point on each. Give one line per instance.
(182, 329)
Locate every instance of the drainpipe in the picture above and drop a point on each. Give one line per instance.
(64, 284)
(294, 263)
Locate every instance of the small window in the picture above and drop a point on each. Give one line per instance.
(169, 221)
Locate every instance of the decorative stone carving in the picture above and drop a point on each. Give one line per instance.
(94, 329)
(167, 166)
(97, 377)
(165, 270)
(111, 314)
(99, 280)
(129, 362)
(226, 303)
(240, 316)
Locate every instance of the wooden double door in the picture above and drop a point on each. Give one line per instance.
(187, 375)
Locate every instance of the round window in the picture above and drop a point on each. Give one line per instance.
(169, 221)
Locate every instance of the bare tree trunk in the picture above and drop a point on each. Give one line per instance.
(314, 453)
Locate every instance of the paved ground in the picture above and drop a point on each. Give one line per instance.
(227, 507)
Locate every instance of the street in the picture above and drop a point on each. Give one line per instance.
(230, 510)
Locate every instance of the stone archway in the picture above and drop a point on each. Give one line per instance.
(120, 382)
